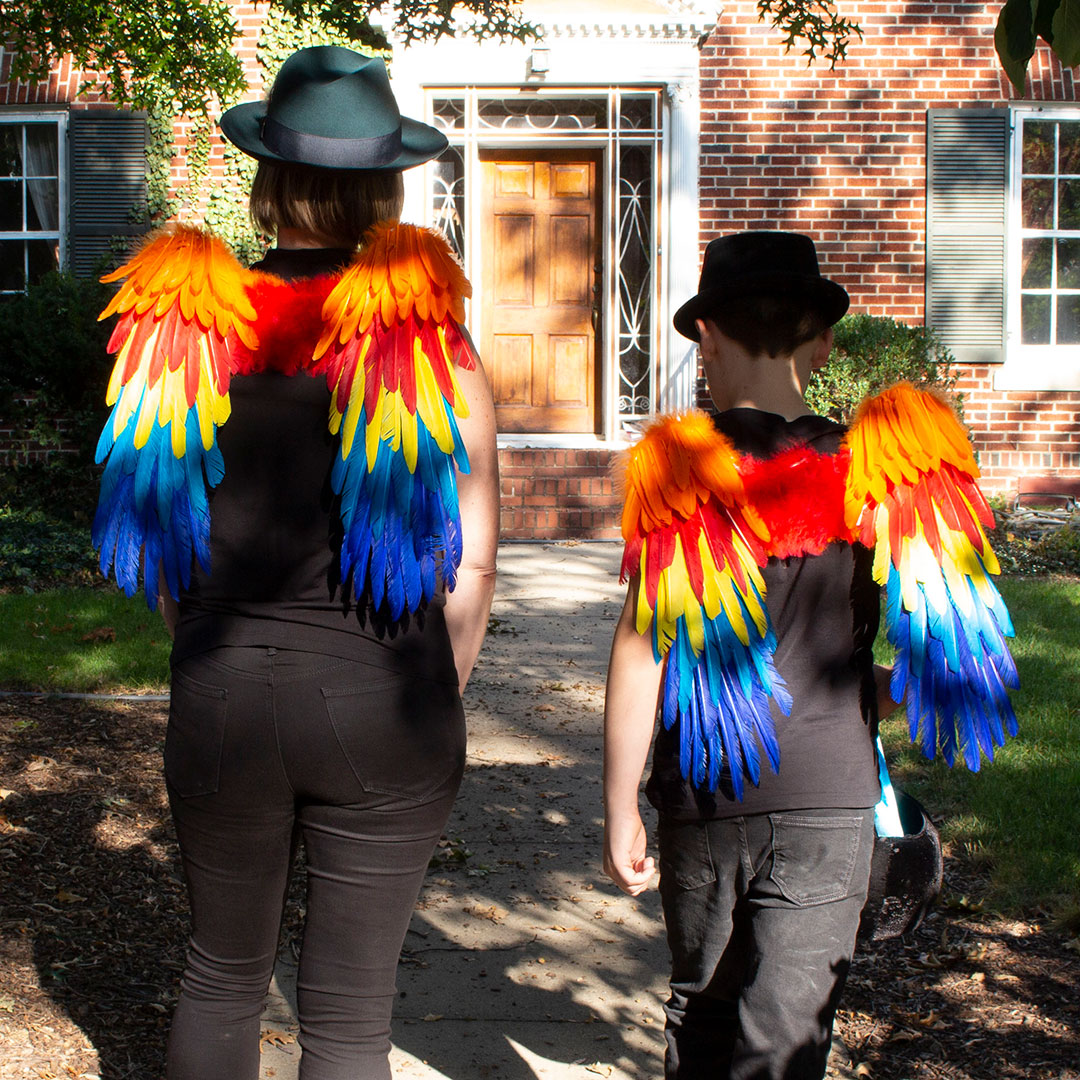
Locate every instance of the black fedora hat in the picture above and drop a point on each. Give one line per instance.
(751, 263)
(332, 108)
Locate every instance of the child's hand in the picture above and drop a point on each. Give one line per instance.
(625, 861)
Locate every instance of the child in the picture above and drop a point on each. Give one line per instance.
(750, 581)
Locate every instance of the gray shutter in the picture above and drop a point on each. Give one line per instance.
(967, 183)
(107, 163)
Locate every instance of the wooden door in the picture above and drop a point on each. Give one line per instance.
(541, 288)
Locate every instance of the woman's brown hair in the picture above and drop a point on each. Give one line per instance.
(339, 205)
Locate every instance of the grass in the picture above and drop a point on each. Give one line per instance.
(1019, 816)
(82, 640)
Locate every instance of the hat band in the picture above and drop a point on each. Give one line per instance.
(323, 150)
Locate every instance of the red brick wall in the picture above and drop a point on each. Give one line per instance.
(551, 494)
(842, 156)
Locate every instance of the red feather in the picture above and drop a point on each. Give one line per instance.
(799, 494)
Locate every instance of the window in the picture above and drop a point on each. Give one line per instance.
(1044, 262)
(1003, 241)
(32, 198)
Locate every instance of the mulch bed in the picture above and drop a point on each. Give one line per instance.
(93, 924)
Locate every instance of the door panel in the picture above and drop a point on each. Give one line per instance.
(511, 368)
(541, 263)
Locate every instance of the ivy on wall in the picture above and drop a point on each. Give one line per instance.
(220, 201)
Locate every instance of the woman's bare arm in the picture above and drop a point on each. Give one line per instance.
(467, 607)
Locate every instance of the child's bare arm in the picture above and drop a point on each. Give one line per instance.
(633, 686)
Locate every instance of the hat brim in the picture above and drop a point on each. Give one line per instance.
(242, 126)
(824, 296)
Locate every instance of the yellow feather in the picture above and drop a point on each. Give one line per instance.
(148, 414)
(729, 599)
(374, 429)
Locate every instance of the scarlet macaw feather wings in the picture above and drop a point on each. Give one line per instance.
(392, 335)
(183, 310)
(912, 497)
(697, 545)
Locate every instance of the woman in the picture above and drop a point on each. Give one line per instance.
(324, 636)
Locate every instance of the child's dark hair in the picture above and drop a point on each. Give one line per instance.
(767, 323)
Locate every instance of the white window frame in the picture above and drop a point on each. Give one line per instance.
(1031, 367)
(58, 118)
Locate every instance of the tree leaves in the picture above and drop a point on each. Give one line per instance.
(181, 51)
(1020, 25)
(815, 22)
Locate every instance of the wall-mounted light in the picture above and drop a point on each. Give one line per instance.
(539, 63)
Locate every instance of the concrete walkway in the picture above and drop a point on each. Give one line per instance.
(522, 959)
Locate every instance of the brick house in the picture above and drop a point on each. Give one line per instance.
(587, 169)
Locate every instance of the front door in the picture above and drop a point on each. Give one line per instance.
(541, 288)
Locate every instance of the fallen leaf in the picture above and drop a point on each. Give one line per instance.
(433, 1016)
(66, 897)
(102, 633)
(271, 1037)
(600, 1070)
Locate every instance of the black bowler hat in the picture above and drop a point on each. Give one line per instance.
(755, 263)
(332, 108)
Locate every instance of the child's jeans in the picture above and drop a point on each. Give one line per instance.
(761, 914)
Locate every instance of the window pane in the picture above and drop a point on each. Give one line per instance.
(1068, 320)
(11, 195)
(42, 205)
(637, 112)
(1037, 266)
(1068, 269)
(449, 113)
(10, 150)
(1035, 320)
(43, 256)
(41, 150)
(1069, 147)
(448, 197)
(1069, 204)
(12, 272)
(1039, 146)
(1037, 197)
(544, 114)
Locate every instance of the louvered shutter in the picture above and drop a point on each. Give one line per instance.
(966, 216)
(107, 163)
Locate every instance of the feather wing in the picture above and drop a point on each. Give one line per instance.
(912, 496)
(184, 312)
(392, 336)
(696, 545)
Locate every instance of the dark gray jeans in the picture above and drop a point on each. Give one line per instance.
(761, 916)
(364, 764)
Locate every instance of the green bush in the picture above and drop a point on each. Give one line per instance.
(870, 353)
(39, 550)
(52, 359)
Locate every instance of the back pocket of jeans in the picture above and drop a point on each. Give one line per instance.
(195, 735)
(814, 856)
(403, 737)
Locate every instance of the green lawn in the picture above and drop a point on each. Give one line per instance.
(1020, 814)
(82, 639)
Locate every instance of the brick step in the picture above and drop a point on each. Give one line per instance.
(558, 494)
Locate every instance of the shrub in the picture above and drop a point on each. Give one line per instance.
(40, 550)
(870, 353)
(52, 358)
